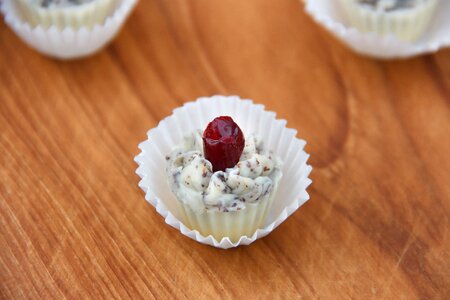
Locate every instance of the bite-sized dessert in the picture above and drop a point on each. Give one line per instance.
(66, 13)
(406, 19)
(59, 3)
(224, 183)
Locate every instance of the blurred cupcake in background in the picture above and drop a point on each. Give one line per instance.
(66, 29)
(66, 13)
(405, 19)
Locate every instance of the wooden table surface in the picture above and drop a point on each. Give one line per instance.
(74, 223)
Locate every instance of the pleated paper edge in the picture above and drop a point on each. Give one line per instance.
(109, 29)
(348, 33)
(225, 243)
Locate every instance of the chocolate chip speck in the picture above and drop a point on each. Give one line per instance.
(221, 177)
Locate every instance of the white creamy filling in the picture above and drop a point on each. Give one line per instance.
(59, 3)
(390, 5)
(192, 180)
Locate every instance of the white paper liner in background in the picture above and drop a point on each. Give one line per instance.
(251, 118)
(332, 17)
(67, 43)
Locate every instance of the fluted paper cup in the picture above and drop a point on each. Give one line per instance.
(70, 42)
(251, 118)
(332, 16)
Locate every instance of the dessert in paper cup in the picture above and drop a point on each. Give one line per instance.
(65, 13)
(66, 29)
(223, 171)
(406, 19)
(386, 28)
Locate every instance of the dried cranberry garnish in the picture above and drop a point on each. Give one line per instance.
(223, 143)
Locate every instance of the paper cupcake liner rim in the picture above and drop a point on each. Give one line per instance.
(225, 242)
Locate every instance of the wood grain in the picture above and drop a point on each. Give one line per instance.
(74, 223)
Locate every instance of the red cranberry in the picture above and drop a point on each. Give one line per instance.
(223, 143)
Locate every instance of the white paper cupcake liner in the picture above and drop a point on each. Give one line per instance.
(67, 43)
(252, 118)
(331, 15)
